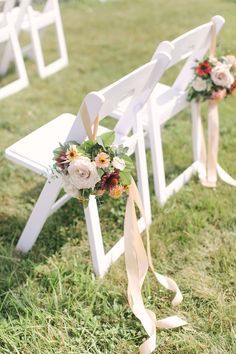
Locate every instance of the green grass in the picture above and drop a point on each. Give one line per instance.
(50, 300)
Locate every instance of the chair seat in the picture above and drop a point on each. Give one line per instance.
(35, 151)
(169, 101)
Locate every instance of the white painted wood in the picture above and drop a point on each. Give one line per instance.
(39, 215)
(16, 16)
(166, 101)
(170, 101)
(154, 133)
(31, 153)
(26, 19)
(9, 37)
(37, 22)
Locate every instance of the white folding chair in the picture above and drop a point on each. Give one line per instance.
(15, 16)
(31, 153)
(26, 19)
(8, 39)
(37, 22)
(167, 101)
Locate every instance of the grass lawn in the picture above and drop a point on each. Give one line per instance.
(50, 301)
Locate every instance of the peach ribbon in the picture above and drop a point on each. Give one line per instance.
(138, 261)
(209, 167)
(137, 264)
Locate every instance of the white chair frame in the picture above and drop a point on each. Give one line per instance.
(9, 37)
(139, 85)
(26, 19)
(16, 22)
(165, 102)
(50, 16)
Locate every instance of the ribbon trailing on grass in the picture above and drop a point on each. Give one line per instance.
(138, 261)
(209, 167)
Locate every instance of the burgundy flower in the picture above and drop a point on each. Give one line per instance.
(231, 90)
(60, 160)
(110, 180)
(203, 68)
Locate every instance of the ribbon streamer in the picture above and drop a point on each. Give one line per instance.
(137, 264)
(138, 261)
(209, 167)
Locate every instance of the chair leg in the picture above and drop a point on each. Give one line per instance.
(197, 135)
(141, 161)
(95, 238)
(39, 215)
(157, 156)
(37, 48)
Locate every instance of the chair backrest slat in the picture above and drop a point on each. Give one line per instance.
(190, 46)
(137, 86)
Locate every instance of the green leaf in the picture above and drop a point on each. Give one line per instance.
(108, 138)
(125, 178)
(100, 172)
(128, 162)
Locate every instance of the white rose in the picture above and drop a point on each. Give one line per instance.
(83, 173)
(213, 60)
(69, 188)
(118, 163)
(221, 76)
(199, 84)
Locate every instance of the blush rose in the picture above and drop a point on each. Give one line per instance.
(221, 76)
(83, 173)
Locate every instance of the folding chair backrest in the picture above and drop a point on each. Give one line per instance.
(23, 5)
(136, 86)
(190, 46)
(8, 5)
(170, 100)
(18, 18)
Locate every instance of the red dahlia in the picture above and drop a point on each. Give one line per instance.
(203, 68)
(110, 180)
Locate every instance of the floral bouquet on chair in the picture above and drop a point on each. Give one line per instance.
(94, 167)
(214, 79)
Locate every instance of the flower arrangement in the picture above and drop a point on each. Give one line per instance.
(94, 167)
(214, 79)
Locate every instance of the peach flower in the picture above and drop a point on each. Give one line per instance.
(116, 192)
(102, 160)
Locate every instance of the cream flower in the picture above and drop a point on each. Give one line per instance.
(102, 160)
(118, 163)
(213, 60)
(69, 188)
(231, 60)
(83, 173)
(72, 153)
(221, 76)
(199, 84)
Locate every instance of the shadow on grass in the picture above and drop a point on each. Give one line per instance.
(61, 226)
